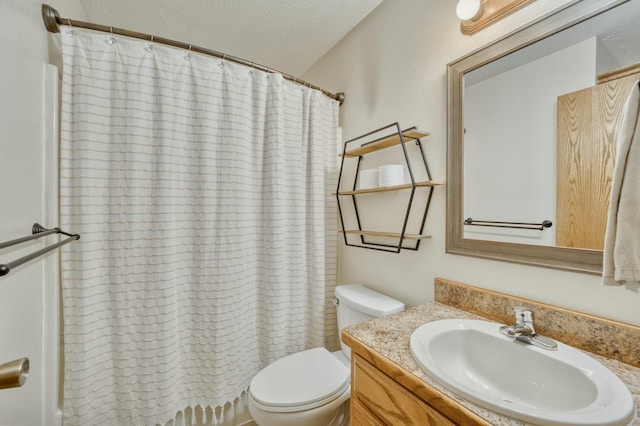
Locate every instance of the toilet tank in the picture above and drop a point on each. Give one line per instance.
(356, 303)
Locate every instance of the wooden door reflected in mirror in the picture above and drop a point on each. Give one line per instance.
(587, 127)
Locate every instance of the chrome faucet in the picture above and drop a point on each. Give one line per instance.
(524, 331)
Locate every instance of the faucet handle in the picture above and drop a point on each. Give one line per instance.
(523, 315)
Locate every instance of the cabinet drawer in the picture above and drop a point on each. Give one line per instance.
(389, 401)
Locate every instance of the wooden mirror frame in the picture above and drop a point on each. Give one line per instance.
(571, 259)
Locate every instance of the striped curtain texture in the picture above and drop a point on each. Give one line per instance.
(202, 191)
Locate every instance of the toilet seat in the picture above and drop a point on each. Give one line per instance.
(300, 381)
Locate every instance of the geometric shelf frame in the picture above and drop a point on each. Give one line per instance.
(369, 143)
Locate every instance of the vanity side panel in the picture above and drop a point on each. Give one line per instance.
(361, 416)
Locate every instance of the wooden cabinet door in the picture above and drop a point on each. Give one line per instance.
(587, 123)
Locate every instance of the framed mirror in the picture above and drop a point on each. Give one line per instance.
(512, 163)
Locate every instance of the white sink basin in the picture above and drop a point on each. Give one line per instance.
(564, 387)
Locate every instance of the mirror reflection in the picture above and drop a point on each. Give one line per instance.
(539, 133)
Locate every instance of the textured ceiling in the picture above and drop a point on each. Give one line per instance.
(287, 35)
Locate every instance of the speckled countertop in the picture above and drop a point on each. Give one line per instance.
(389, 336)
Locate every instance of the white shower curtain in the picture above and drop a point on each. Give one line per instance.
(202, 192)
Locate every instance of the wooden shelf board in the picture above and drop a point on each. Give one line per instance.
(386, 142)
(426, 183)
(387, 234)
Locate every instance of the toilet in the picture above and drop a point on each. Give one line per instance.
(311, 387)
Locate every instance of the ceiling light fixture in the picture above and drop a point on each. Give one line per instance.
(478, 14)
(469, 10)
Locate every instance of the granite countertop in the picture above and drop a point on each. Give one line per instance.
(389, 336)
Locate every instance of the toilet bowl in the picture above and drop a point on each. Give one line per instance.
(311, 387)
(306, 388)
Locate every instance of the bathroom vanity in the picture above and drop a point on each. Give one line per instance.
(388, 387)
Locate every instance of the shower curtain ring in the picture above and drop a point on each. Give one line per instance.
(71, 32)
(112, 39)
(149, 48)
(188, 55)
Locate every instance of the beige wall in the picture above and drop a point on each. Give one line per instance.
(392, 67)
(28, 296)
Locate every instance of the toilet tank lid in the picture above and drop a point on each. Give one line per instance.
(367, 301)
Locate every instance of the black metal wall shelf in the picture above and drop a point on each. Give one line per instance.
(370, 143)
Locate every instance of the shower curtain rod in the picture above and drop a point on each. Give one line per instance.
(52, 21)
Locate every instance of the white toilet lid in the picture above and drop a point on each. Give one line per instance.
(302, 378)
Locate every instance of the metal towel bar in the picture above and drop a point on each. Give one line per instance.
(37, 231)
(14, 374)
(514, 225)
